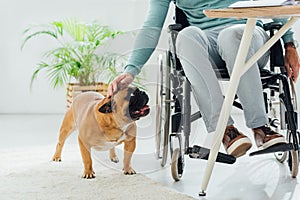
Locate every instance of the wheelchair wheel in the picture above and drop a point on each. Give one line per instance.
(177, 164)
(293, 160)
(282, 156)
(294, 163)
(294, 153)
(163, 111)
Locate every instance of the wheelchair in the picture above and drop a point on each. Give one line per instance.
(174, 113)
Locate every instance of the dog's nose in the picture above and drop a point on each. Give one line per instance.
(137, 92)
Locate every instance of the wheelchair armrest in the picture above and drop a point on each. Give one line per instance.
(175, 27)
(272, 26)
(276, 56)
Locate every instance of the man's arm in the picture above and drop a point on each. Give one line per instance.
(148, 37)
(144, 45)
(291, 60)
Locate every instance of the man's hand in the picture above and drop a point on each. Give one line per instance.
(120, 82)
(292, 63)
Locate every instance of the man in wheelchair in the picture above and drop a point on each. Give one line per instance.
(204, 47)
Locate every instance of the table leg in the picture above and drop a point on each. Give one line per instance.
(229, 97)
(239, 70)
(269, 43)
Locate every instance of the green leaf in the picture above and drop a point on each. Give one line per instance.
(41, 66)
(75, 55)
(46, 32)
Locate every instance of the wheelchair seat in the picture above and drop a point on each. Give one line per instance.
(276, 56)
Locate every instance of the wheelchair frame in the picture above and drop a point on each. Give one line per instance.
(174, 94)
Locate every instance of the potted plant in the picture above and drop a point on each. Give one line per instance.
(75, 62)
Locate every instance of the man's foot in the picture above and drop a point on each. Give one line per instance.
(266, 137)
(235, 143)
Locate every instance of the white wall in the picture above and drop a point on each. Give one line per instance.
(17, 66)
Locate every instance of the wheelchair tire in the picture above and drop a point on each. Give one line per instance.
(281, 156)
(177, 164)
(293, 160)
(292, 155)
(163, 94)
(294, 163)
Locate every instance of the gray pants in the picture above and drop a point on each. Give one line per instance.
(201, 51)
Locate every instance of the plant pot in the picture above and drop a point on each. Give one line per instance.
(74, 89)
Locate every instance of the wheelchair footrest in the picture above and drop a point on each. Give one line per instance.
(272, 149)
(203, 153)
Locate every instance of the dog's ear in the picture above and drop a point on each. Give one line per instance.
(106, 108)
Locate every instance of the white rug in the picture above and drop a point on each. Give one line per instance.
(29, 173)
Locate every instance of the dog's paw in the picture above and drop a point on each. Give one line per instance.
(56, 158)
(114, 159)
(129, 171)
(88, 174)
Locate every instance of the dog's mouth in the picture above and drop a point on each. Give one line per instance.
(138, 104)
